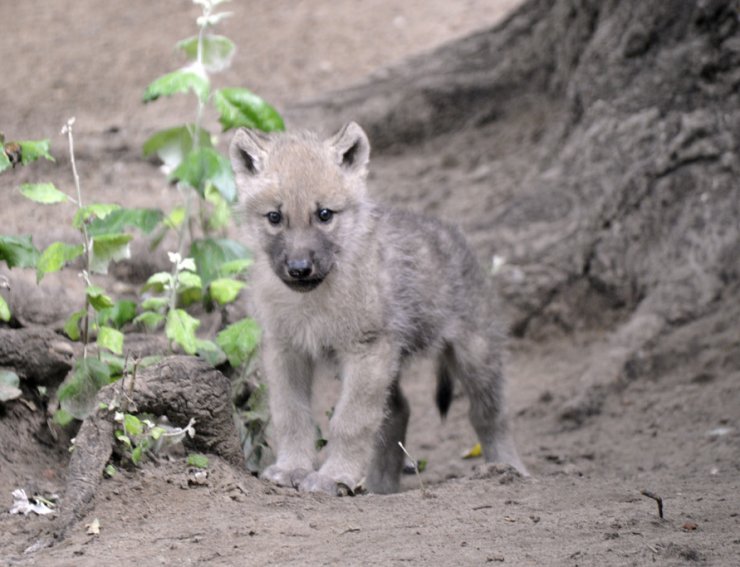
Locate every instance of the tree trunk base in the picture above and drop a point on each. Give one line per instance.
(180, 388)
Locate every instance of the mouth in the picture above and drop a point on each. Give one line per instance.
(303, 286)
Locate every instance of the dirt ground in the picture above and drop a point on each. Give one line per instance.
(676, 434)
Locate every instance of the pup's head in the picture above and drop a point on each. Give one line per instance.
(301, 198)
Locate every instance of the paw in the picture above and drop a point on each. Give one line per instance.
(503, 472)
(285, 477)
(317, 482)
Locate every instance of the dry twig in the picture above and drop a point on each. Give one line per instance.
(657, 498)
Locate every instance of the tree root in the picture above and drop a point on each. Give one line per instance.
(38, 355)
(179, 387)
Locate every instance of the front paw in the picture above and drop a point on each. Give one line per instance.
(317, 482)
(285, 477)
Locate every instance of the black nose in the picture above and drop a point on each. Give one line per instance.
(299, 269)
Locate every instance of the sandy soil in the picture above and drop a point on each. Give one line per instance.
(675, 434)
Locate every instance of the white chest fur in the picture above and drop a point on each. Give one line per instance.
(333, 316)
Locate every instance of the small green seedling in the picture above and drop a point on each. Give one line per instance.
(190, 158)
(198, 461)
(103, 239)
(139, 436)
(255, 421)
(205, 268)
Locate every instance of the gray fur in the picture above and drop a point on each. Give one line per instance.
(370, 287)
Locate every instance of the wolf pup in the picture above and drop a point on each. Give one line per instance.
(339, 278)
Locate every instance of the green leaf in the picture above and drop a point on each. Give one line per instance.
(45, 193)
(188, 280)
(205, 165)
(31, 150)
(121, 313)
(97, 297)
(72, 326)
(189, 296)
(172, 145)
(154, 303)
(241, 107)
(110, 471)
(136, 454)
(211, 352)
(78, 391)
(225, 290)
(18, 251)
(180, 328)
(24, 152)
(217, 51)
(132, 425)
(107, 248)
(55, 257)
(258, 404)
(234, 267)
(179, 81)
(158, 282)
(189, 288)
(212, 253)
(175, 218)
(220, 214)
(421, 465)
(115, 363)
(27, 151)
(123, 438)
(239, 341)
(110, 338)
(157, 432)
(4, 310)
(117, 220)
(149, 319)
(91, 212)
(4, 161)
(198, 461)
(9, 386)
(63, 418)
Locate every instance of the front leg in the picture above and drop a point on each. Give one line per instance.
(289, 376)
(367, 374)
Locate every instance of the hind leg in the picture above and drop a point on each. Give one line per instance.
(492, 426)
(384, 475)
(476, 363)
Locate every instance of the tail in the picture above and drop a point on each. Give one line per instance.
(445, 388)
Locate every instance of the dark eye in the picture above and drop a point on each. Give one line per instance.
(325, 215)
(274, 217)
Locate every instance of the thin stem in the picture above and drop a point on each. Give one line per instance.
(180, 247)
(71, 141)
(195, 138)
(86, 244)
(201, 104)
(201, 32)
(416, 467)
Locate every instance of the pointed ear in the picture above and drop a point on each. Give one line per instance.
(350, 148)
(248, 152)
